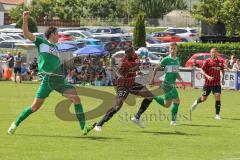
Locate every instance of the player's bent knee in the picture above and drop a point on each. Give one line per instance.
(76, 99)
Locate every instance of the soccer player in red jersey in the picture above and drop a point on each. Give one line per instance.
(211, 70)
(125, 83)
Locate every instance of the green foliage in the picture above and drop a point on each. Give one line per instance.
(186, 50)
(154, 8)
(32, 24)
(105, 8)
(139, 33)
(16, 13)
(223, 11)
(231, 16)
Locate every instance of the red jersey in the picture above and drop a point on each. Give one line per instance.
(213, 67)
(127, 77)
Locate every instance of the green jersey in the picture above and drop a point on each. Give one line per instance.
(48, 61)
(171, 69)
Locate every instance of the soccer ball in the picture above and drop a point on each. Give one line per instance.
(143, 52)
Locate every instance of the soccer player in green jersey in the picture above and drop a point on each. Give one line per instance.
(49, 66)
(171, 67)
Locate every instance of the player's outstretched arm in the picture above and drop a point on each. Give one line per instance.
(26, 32)
(157, 68)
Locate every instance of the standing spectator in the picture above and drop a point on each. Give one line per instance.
(17, 67)
(232, 60)
(10, 60)
(236, 66)
(33, 67)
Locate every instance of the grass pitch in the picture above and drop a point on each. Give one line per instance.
(45, 137)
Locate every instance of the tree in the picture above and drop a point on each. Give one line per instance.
(139, 33)
(231, 16)
(105, 8)
(219, 12)
(155, 8)
(16, 13)
(32, 24)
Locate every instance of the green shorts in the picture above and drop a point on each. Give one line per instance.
(50, 83)
(172, 94)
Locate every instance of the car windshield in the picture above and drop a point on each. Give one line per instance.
(116, 30)
(153, 57)
(153, 41)
(157, 49)
(193, 31)
(88, 34)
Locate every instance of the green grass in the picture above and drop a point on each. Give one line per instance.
(44, 137)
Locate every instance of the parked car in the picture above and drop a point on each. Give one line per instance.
(74, 43)
(16, 36)
(4, 36)
(167, 37)
(153, 59)
(39, 34)
(107, 30)
(186, 34)
(201, 57)
(12, 43)
(65, 37)
(91, 41)
(73, 28)
(160, 51)
(78, 34)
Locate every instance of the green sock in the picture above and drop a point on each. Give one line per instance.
(159, 100)
(80, 115)
(174, 110)
(25, 113)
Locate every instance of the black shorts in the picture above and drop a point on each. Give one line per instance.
(124, 91)
(17, 70)
(207, 90)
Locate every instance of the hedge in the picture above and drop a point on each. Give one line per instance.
(186, 50)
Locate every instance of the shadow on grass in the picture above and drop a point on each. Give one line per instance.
(200, 125)
(233, 119)
(169, 133)
(65, 136)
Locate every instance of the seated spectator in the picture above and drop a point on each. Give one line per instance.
(69, 77)
(227, 64)
(33, 68)
(236, 66)
(25, 73)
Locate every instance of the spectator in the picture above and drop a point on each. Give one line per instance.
(33, 67)
(10, 60)
(25, 73)
(17, 67)
(227, 64)
(194, 64)
(70, 75)
(232, 60)
(236, 66)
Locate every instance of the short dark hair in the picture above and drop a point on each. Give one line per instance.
(129, 50)
(49, 31)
